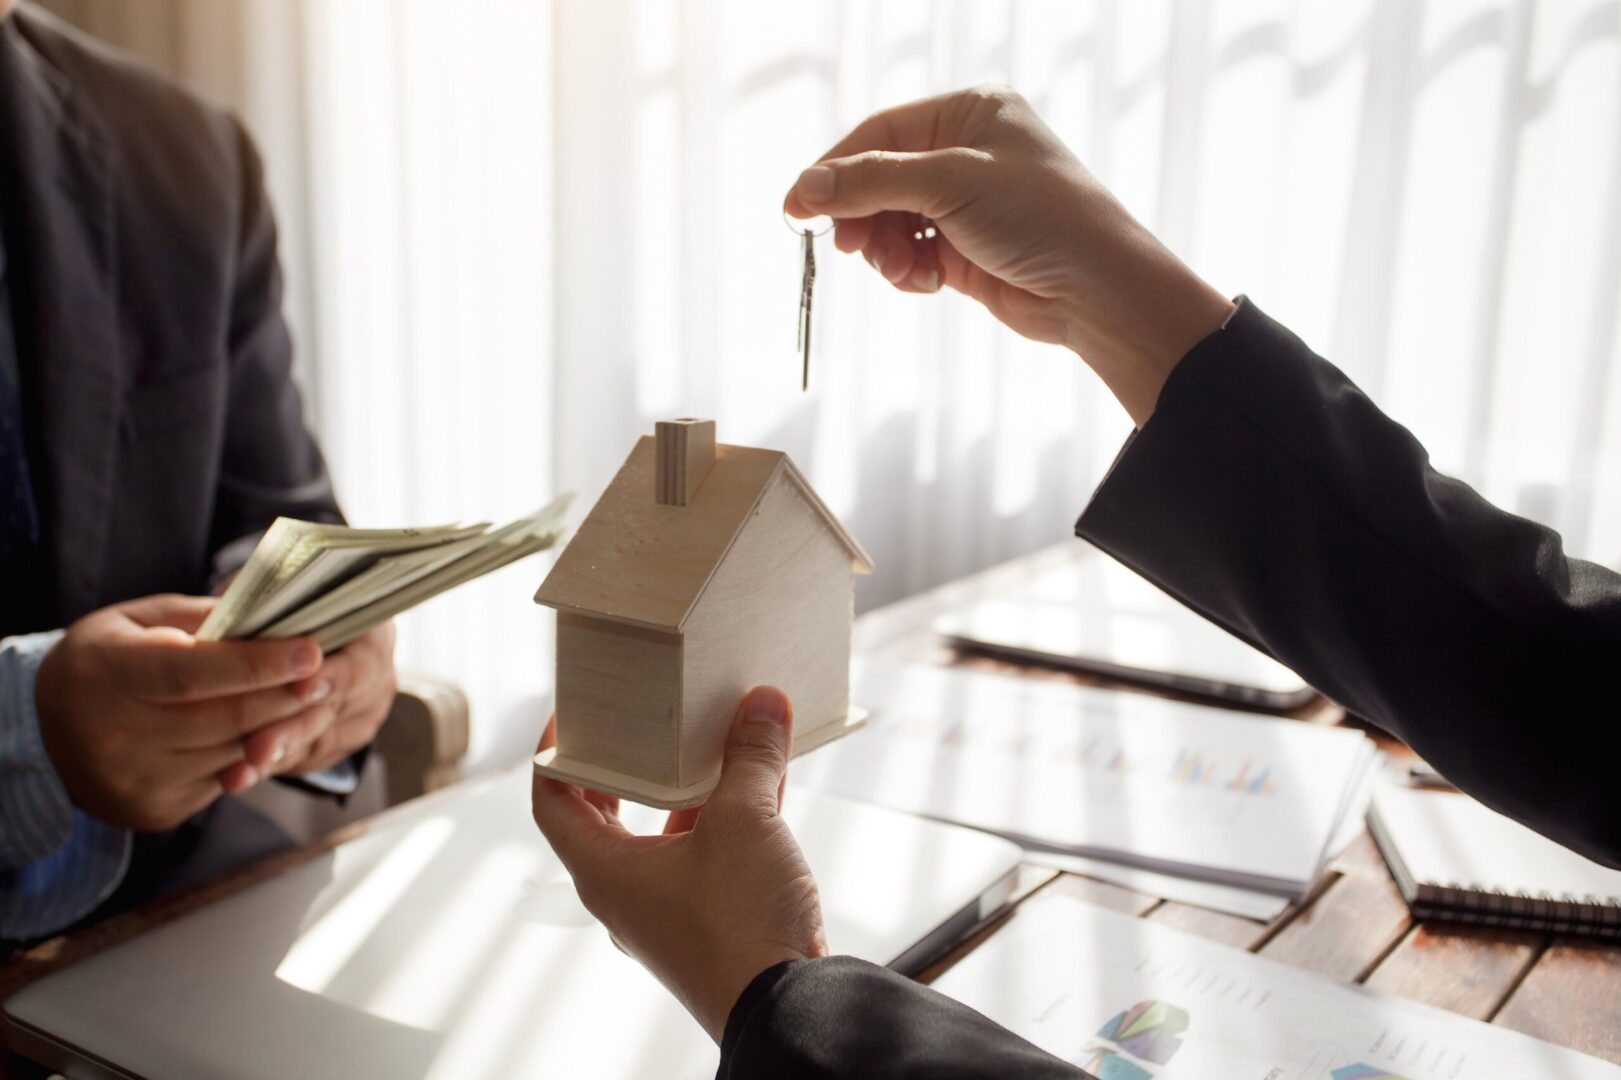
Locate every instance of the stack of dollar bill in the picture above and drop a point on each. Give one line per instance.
(336, 583)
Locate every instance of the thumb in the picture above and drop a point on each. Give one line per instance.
(932, 183)
(756, 754)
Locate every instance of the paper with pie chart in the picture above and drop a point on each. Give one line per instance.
(1149, 1031)
(1129, 999)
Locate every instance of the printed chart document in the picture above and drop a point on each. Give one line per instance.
(1127, 999)
(1199, 792)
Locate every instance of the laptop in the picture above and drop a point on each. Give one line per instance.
(449, 943)
(1078, 609)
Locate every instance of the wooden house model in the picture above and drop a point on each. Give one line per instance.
(703, 570)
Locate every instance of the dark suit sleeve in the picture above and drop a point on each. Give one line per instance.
(271, 465)
(1270, 495)
(840, 1017)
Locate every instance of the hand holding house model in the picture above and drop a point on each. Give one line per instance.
(704, 570)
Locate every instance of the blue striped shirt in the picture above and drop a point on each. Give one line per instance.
(56, 862)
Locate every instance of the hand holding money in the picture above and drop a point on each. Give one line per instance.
(147, 725)
(357, 683)
(149, 713)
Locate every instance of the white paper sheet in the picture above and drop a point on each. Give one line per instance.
(1246, 903)
(1128, 999)
(1208, 793)
(1375, 771)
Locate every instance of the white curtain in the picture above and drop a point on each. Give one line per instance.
(521, 232)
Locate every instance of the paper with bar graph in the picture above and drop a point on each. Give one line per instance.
(1131, 999)
(1202, 792)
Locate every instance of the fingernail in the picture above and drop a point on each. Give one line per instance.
(320, 691)
(815, 184)
(278, 752)
(765, 709)
(928, 281)
(251, 777)
(304, 658)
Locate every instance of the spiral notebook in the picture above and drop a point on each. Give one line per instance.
(1454, 859)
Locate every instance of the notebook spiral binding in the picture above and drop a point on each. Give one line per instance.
(1558, 913)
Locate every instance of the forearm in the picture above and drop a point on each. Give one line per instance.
(838, 1017)
(1271, 495)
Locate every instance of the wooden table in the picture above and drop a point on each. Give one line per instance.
(1354, 926)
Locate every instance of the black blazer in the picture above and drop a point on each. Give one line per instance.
(1270, 495)
(162, 420)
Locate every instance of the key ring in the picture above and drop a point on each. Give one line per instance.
(926, 228)
(799, 228)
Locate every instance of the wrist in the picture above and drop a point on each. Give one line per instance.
(1134, 321)
(48, 705)
(739, 973)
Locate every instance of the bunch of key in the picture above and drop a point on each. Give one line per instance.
(807, 283)
(925, 230)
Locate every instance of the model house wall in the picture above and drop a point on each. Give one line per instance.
(776, 613)
(620, 687)
(703, 570)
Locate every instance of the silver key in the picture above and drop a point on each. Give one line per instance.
(807, 283)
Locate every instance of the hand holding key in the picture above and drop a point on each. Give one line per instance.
(1022, 227)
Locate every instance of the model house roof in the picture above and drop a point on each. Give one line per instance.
(638, 561)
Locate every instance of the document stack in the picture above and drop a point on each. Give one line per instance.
(1200, 794)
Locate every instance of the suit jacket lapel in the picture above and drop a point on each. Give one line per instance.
(60, 202)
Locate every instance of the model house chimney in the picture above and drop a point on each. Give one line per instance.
(685, 451)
